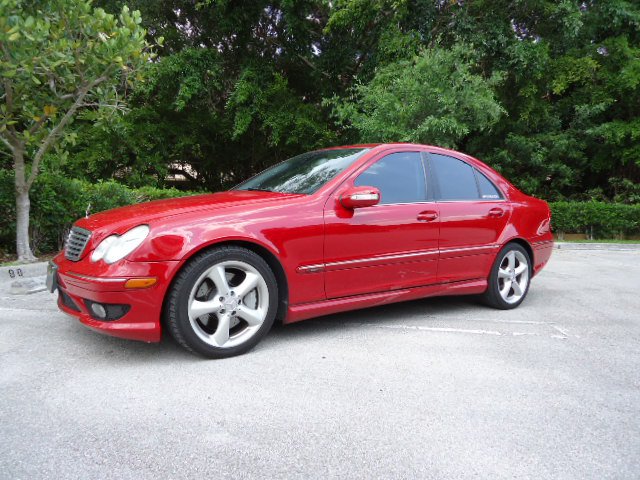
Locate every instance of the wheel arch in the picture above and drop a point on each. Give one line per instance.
(524, 244)
(260, 250)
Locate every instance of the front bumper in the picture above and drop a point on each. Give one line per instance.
(80, 283)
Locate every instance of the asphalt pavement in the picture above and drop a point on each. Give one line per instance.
(436, 388)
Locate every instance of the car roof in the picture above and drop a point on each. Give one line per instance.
(380, 146)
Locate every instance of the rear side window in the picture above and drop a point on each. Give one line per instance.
(398, 176)
(455, 180)
(488, 190)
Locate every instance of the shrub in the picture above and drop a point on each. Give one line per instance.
(600, 219)
(57, 202)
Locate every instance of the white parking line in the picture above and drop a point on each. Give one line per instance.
(561, 330)
(435, 329)
(468, 330)
(522, 322)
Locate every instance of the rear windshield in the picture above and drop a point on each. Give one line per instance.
(304, 173)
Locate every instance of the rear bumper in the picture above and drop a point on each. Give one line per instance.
(77, 288)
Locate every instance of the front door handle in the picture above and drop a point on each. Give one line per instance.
(427, 216)
(496, 212)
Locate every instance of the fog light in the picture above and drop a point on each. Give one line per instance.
(106, 312)
(99, 310)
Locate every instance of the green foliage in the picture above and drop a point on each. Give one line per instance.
(59, 59)
(625, 191)
(57, 202)
(571, 94)
(435, 98)
(189, 117)
(61, 53)
(266, 99)
(604, 220)
(546, 91)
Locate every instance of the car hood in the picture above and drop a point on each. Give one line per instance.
(122, 219)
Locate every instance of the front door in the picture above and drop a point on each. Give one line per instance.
(389, 246)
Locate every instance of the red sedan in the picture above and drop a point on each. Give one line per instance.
(324, 232)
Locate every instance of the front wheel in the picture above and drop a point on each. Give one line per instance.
(222, 303)
(509, 278)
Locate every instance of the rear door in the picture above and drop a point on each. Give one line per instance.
(473, 214)
(388, 246)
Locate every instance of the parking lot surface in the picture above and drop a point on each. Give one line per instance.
(436, 388)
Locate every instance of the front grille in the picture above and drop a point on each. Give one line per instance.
(76, 243)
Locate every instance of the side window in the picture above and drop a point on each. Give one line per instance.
(488, 190)
(398, 176)
(454, 178)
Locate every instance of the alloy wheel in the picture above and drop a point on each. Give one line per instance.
(228, 304)
(513, 276)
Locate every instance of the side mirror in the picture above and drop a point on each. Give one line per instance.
(358, 197)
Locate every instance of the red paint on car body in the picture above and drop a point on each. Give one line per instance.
(332, 259)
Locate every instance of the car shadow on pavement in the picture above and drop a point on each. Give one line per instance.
(117, 350)
(422, 309)
(126, 351)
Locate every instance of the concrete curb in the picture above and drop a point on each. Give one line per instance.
(17, 272)
(24, 279)
(29, 285)
(598, 246)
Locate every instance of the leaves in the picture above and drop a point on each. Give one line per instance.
(55, 48)
(435, 98)
(546, 91)
(50, 110)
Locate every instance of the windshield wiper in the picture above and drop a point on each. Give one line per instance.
(252, 189)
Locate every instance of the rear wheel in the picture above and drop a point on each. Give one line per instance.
(509, 278)
(222, 303)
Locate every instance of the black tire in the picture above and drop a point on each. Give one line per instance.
(492, 296)
(189, 333)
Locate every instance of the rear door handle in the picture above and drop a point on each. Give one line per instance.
(496, 212)
(427, 216)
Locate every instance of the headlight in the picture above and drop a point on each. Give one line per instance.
(116, 247)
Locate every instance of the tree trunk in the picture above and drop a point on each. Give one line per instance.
(23, 206)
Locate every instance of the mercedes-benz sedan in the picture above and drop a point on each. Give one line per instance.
(327, 231)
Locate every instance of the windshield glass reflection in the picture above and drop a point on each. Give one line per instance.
(304, 173)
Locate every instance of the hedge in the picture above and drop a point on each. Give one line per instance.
(597, 219)
(57, 202)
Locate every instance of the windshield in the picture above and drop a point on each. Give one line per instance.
(304, 173)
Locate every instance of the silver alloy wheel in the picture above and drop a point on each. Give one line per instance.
(513, 276)
(228, 304)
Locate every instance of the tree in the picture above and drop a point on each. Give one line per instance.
(241, 85)
(435, 98)
(59, 59)
(235, 89)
